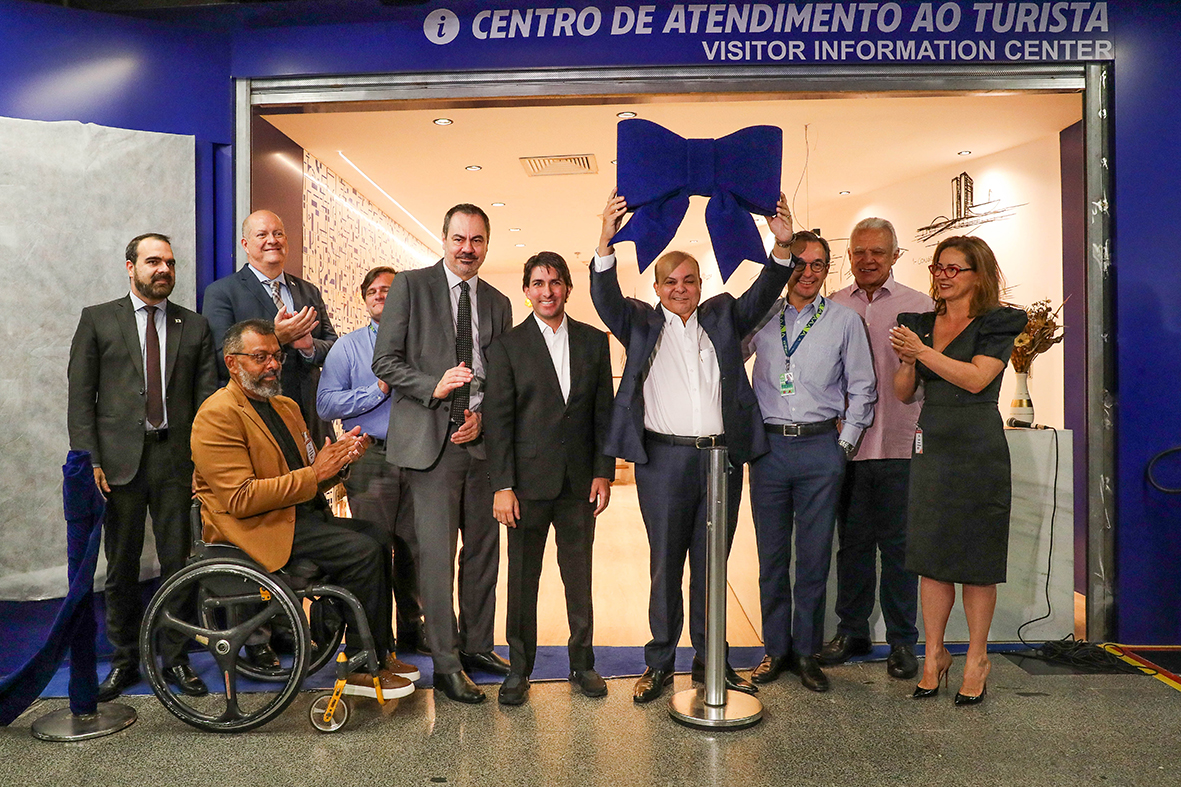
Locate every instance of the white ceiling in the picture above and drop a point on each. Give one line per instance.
(855, 144)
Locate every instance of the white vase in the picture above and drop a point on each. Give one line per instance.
(1021, 407)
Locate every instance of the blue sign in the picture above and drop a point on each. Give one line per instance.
(492, 35)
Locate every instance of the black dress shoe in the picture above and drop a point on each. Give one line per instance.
(810, 674)
(841, 648)
(901, 663)
(263, 657)
(651, 684)
(734, 681)
(514, 690)
(183, 677)
(589, 682)
(118, 680)
(459, 687)
(770, 668)
(489, 661)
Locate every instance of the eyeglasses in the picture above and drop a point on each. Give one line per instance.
(950, 271)
(817, 267)
(262, 358)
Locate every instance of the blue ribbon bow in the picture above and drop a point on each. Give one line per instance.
(658, 171)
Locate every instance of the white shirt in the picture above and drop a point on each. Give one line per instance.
(141, 325)
(558, 343)
(477, 392)
(683, 390)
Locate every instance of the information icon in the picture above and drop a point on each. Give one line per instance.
(441, 26)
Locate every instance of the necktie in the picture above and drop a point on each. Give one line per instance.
(276, 296)
(463, 350)
(155, 394)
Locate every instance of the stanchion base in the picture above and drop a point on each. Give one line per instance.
(741, 710)
(63, 726)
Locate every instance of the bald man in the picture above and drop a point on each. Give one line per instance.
(262, 290)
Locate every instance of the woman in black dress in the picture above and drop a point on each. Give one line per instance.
(958, 527)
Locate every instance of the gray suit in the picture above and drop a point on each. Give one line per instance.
(448, 483)
(105, 414)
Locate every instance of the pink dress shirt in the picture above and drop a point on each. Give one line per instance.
(892, 433)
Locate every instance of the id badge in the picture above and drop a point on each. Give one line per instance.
(787, 384)
(310, 448)
(918, 440)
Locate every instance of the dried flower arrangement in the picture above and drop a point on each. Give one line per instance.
(1041, 333)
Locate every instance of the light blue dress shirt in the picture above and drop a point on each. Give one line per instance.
(348, 388)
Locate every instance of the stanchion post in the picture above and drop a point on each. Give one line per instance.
(714, 706)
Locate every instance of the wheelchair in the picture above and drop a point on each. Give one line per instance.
(222, 601)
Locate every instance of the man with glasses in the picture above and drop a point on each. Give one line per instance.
(260, 479)
(140, 366)
(871, 515)
(813, 370)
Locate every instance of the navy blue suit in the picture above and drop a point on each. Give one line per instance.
(671, 480)
(241, 296)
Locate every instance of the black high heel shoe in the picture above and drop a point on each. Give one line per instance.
(921, 694)
(966, 699)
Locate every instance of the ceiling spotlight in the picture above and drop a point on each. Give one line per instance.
(965, 153)
(442, 121)
(625, 115)
(844, 193)
(473, 168)
(614, 160)
(514, 229)
(695, 241)
(498, 204)
(520, 245)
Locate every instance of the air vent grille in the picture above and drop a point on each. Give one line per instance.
(584, 164)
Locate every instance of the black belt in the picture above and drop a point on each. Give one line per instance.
(802, 430)
(706, 441)
(157, 436)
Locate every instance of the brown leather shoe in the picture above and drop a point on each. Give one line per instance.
(401, 668)
(392, 686)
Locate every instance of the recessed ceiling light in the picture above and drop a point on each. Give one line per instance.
(520, 245)
(498, 204)
(614, 160)
(514, 229)
(442, 121)
(965, 153)
(844, 193)
(695, 241)
(625, 115)
(473, 168)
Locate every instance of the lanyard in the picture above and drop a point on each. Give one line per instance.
(783, 329)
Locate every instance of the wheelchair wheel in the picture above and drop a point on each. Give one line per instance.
(340, 715)
(326, 630)
(235, 600)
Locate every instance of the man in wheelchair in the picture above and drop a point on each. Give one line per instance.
(259, 479)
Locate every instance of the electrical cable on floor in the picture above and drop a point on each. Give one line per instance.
(1086, 656)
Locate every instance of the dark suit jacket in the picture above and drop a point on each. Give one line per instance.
(241, 296)
(248, 493)
(108, 395)
(726, 320)
(415, 346)
(534, 440)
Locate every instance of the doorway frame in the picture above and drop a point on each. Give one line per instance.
(444, 89)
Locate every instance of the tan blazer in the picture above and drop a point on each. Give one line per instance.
(248, 494)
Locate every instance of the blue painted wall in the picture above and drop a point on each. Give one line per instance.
(59, 64)
(1148, 306)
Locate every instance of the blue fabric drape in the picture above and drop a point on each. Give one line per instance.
(74, 627)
